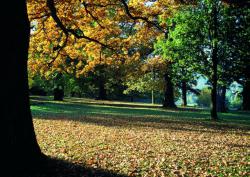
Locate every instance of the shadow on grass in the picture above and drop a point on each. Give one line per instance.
(61, 168)
(78, 101)
(183, 119)
(173, 125)
(69, 109)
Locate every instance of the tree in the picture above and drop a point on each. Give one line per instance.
(58, 89)
(19, 145)
(103, 28)
(238, 31)
(204, 99)
(19, 142)
(199, 41)
(146, 78)
(210, 35)
(214, 25)
(179, 55)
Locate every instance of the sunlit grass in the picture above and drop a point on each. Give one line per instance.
(143, 140)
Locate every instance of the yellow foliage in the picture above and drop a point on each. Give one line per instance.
(100, 20)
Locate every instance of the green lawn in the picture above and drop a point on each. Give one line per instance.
(136, 139)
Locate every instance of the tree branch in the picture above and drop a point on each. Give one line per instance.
(156, 25)
(92, 16)
(52, 8)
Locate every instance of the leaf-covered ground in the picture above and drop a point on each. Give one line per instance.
(143, 140)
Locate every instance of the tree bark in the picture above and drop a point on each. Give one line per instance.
(221, 99)
(214, 78)
(214, 115)
(102, 95)
(168, 101)
(59, 87)
(58, 94)
(246, 96)
(19, 147)
(184, 93)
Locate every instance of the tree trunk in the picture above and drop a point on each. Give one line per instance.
(72, 94)
(102, 94)
(59, 87)
(221, 99)
(58, 94)
(168, 101)
(246, 96)
(184, 93)
(102, 91)
(152, 97)
(214, 78)
(214, 115)
(20, 149)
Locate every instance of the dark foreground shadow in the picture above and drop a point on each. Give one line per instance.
(61, 168)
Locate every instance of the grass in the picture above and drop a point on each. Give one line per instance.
(135, 139)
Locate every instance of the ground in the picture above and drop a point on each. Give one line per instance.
(107, 138)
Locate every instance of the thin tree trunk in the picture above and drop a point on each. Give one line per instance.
(168, 101)
(152, 97)
(184, 93)
(246, 96)
(58, 94)
(59, 87)
(214, 78)
(19, 146)
(221, 99)
(214, 115)
(102, 95)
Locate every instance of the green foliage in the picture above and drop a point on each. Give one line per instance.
(234, 32)
(190, 46)
(190, 39)
(179, 48)
(236, 103)
(145, 84)
(39, 85)
(234, 95)
(83, 86)
(187, 45)
(204, 99)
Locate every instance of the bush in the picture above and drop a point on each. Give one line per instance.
(204, 99)
(37, 91)
(236, 103)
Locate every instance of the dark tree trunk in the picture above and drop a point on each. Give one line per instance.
(214, 76)
(59, 87)
(214, 115)
(168, 101)
(58, 94)
(102, 95)
(246, 88)
(184, 93)
(221, 99)
(246, 96)
(72, 94)
(20, 149)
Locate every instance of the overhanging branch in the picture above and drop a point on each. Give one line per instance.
(155, 24)
(53, 11)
